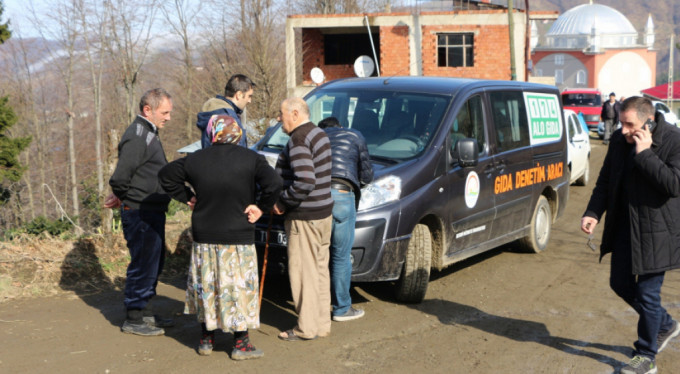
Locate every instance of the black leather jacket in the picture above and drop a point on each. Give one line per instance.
(351, 161)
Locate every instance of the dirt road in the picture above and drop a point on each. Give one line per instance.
(502, 312)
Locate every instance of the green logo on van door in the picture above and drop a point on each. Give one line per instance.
(545, 119)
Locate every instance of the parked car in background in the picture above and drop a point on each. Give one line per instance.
(578, 149)
(668, 114)
(585, 100)
(600, 129)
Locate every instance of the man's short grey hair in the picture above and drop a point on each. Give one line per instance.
(642, 105)
(153, 98)
(296, 103)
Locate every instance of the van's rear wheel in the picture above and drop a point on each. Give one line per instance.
(415, 274)
(539, 233)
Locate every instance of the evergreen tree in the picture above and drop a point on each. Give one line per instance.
(10, 148)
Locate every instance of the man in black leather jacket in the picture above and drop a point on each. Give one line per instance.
(351, 170)
(639, 188)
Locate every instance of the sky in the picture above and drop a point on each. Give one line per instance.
(16, 11)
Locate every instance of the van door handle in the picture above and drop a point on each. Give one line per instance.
(500, 165)
(489, 169)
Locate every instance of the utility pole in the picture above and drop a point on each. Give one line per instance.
(669, 97)
(511, 27)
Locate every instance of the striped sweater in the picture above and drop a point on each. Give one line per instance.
(305, 166)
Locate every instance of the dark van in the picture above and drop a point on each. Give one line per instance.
(461, 166)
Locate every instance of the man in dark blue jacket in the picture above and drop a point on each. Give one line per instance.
(143, 204)
(237, 95)
(639, 188)
(351, 169)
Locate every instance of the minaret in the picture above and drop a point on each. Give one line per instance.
(534, 35)
(594, 37)
(649, 33)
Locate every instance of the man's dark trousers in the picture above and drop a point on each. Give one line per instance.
(144, 232)
(642, 293)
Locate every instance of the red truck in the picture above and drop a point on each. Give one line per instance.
(585, 100)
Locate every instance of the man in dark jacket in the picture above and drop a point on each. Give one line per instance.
(142, 205)
(237, 95)
(610, 116)
(639, 188)
(351, 170)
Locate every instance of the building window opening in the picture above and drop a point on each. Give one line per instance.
(343, 49)
(581, 77)
(455, 50)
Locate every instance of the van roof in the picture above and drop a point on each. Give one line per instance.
(581, 90)
(438, 85)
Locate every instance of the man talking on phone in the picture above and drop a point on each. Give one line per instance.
(639, 189)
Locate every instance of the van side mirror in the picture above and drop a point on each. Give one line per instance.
(466, 151)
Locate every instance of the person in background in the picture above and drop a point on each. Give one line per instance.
(610, 116)
(351, 170)
(639, 189)
(222, 286)
(238, 93)
(305, 166)
(142, 210)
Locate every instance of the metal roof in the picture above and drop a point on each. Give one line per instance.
(580, 20)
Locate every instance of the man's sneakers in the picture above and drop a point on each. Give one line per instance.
(142, 329)
(664, 337)
(139, 324)
(639, 365)
(351, 314)
(158, 321)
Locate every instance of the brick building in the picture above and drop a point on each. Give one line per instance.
(460, 43)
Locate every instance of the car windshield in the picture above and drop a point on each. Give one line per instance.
(581, 99)
(396, 125)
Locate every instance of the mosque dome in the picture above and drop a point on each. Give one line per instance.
(589, 25)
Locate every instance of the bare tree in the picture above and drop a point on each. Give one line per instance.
(341, 6)
(180, 14)
(65, 31)
(128, 33)
(261, 44)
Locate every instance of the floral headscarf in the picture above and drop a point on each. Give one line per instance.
(224, 129)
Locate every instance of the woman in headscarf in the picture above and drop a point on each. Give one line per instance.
(222, 287)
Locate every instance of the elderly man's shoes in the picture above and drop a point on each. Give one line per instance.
(141, 328)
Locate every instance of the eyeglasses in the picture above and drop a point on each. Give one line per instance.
(590, 243)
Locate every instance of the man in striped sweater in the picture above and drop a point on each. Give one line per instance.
(305, 166)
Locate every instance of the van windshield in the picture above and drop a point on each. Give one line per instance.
(581, 99)
(396, 125)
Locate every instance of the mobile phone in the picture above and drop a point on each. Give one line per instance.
(649, 125)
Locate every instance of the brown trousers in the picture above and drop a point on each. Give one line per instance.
(310, 284)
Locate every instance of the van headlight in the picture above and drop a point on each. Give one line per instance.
(380, 192)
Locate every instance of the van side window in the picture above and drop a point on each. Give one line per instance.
(510, 120)
(469, 123)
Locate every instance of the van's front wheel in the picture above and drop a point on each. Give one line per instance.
(541, 223)
(415, 274)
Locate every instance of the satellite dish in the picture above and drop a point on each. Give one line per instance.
(317, 75)
(363, 66)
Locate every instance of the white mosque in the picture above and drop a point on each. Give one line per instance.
(593, 45)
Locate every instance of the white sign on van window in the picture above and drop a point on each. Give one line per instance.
(471, 189)
(545, 117)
